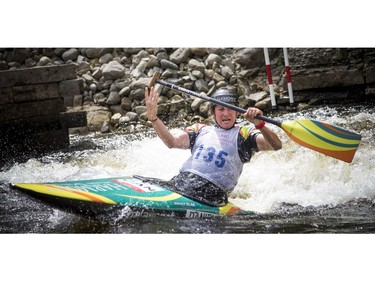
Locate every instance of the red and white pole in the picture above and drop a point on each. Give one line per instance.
(269, 77)
(288, 77)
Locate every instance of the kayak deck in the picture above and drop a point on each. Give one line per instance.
(98, 196)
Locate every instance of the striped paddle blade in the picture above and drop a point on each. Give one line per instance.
(324, 138)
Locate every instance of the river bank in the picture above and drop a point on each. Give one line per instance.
(113, 80)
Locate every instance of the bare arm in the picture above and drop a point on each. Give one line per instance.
(267, 140)
(177, 140)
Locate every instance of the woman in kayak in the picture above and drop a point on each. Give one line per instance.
(218, 152)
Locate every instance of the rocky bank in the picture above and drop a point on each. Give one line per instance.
(113, 79)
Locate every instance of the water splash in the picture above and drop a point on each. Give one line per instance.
(297, 175)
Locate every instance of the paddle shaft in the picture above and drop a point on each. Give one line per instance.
(215, 101)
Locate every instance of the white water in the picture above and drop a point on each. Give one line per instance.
(294, 175)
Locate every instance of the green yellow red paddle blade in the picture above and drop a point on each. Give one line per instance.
(324, 138)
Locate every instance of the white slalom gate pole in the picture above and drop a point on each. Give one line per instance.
(269, 77)
(288, 77)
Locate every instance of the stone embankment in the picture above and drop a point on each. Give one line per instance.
(114, 79)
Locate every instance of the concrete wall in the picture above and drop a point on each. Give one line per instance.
(33, 102)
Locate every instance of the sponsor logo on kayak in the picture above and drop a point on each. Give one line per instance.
(142, 213)
(190, 204)
(139, 187)
(194, 214)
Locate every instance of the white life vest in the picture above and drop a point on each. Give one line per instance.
(215, 157)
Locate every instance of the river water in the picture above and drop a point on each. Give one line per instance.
(294, 190)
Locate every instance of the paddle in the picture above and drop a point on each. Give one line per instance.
(319, 136)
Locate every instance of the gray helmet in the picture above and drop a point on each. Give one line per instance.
(225, 95)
